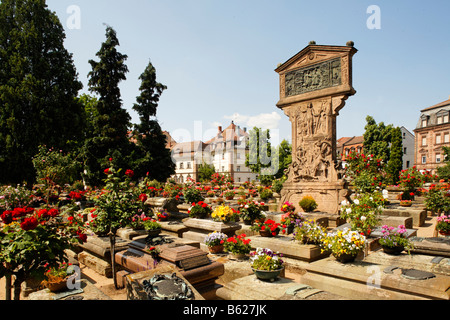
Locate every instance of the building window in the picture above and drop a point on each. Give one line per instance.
(239, 179)
(424, 122)
(181, 165)
(223, 168)
(424, 141)
(405, 150)
(188, 165)
(407, 164)
(438, 158)
(439, 120)
(238, 169)
(445, 118)
(446, 138)
(438, 139)
(424, 159)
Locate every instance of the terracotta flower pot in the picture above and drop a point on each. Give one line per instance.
(345, 258)
(393, 250)
(444, 233)
(216, 249)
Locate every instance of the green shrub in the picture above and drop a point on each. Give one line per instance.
(308, 204)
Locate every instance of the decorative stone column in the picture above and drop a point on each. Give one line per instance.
(314, 85)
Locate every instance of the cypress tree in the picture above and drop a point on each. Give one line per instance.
(395, 163)
(156, 158)
(38, 87)
(111, 122)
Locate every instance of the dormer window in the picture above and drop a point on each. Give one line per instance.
(424, 121)
(442, 117)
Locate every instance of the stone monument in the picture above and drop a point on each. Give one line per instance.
(314, 85)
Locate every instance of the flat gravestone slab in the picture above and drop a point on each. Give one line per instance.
(88, 292)
(251, 288)
(437, 246)
(101, 245)
(288, 247)
(365, 280)
(208, 226)
(377, 231)
(434, 264)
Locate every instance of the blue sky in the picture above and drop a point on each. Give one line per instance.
(217, 58)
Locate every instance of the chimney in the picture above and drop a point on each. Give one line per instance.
(220, 129)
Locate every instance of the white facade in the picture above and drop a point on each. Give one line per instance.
(408, 141)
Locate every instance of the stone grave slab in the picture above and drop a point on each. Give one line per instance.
(369, 281)
(190, 261)
(130, 234)
(100, 246)
(437, 246)
(136, 282)
(434, 264)
(160, 203)
(418, 215)
(288, 247)
(207, 226)
(251, 288)
(320, 217)
(174, 227)
(88, 292)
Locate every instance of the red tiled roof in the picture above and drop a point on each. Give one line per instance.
(439, 105)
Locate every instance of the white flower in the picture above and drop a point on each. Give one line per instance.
(363, 218)
(356, 201)
(349, 210)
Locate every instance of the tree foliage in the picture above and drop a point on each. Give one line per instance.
(38, 87)
(395, 163)
(377, 138)
(156, 158)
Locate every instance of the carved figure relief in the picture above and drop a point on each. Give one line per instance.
(312, 157)
(319, 76)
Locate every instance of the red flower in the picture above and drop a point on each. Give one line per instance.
(106, 171)
(142, 197)
(110, 159)
(29, 224)
(129, 173)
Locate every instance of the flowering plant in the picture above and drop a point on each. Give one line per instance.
(151, 224)
(410, 180)
(162, 215)
(363, 213)
(268, 225)
(309, 232)
(443, 223)
(287, 207)
(137, 221)
(365, 171)
(344, 241)
(31, 240)
(251, 210)
(199, 210)
(308, 204)
(155, 254)
(237, 244)
(60, 271)
(223, 213)
(394, 237)
(266, 259)
(229, 194)
(291, 218)
(215, 238)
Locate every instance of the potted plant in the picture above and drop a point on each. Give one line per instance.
(405, 203)
(363, 213)
(57, 277)
(199, 210)
(289, 219)
(229, 195)
(268, 228)
(266, 264)
(238, 246)
(210, 194)
(223, 213)
(443, 225)
(155, 254)
(152, 226)
(308, 204)
(266, 194)
(215, 241)
(251, 211)
(344, 244)
(162, 215)
(394, 240)
(287, 207)
(309, 232)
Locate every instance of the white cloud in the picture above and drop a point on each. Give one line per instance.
(263, 120)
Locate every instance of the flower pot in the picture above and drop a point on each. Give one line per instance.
(216, 249)
(290, 229)
(444, 233)
(229, 198)
(345, 258)
(153, 233)
(267, 233)
(247, 222)
(266, 275)
(406, 205)
(393, 250)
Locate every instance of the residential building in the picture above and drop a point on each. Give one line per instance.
(227, 151)
(408, 141)
(432, 133)
(347, 145)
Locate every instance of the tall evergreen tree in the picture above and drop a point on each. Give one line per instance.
(395, 163)
(111, 122)
(38, 87)
(156, 158)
